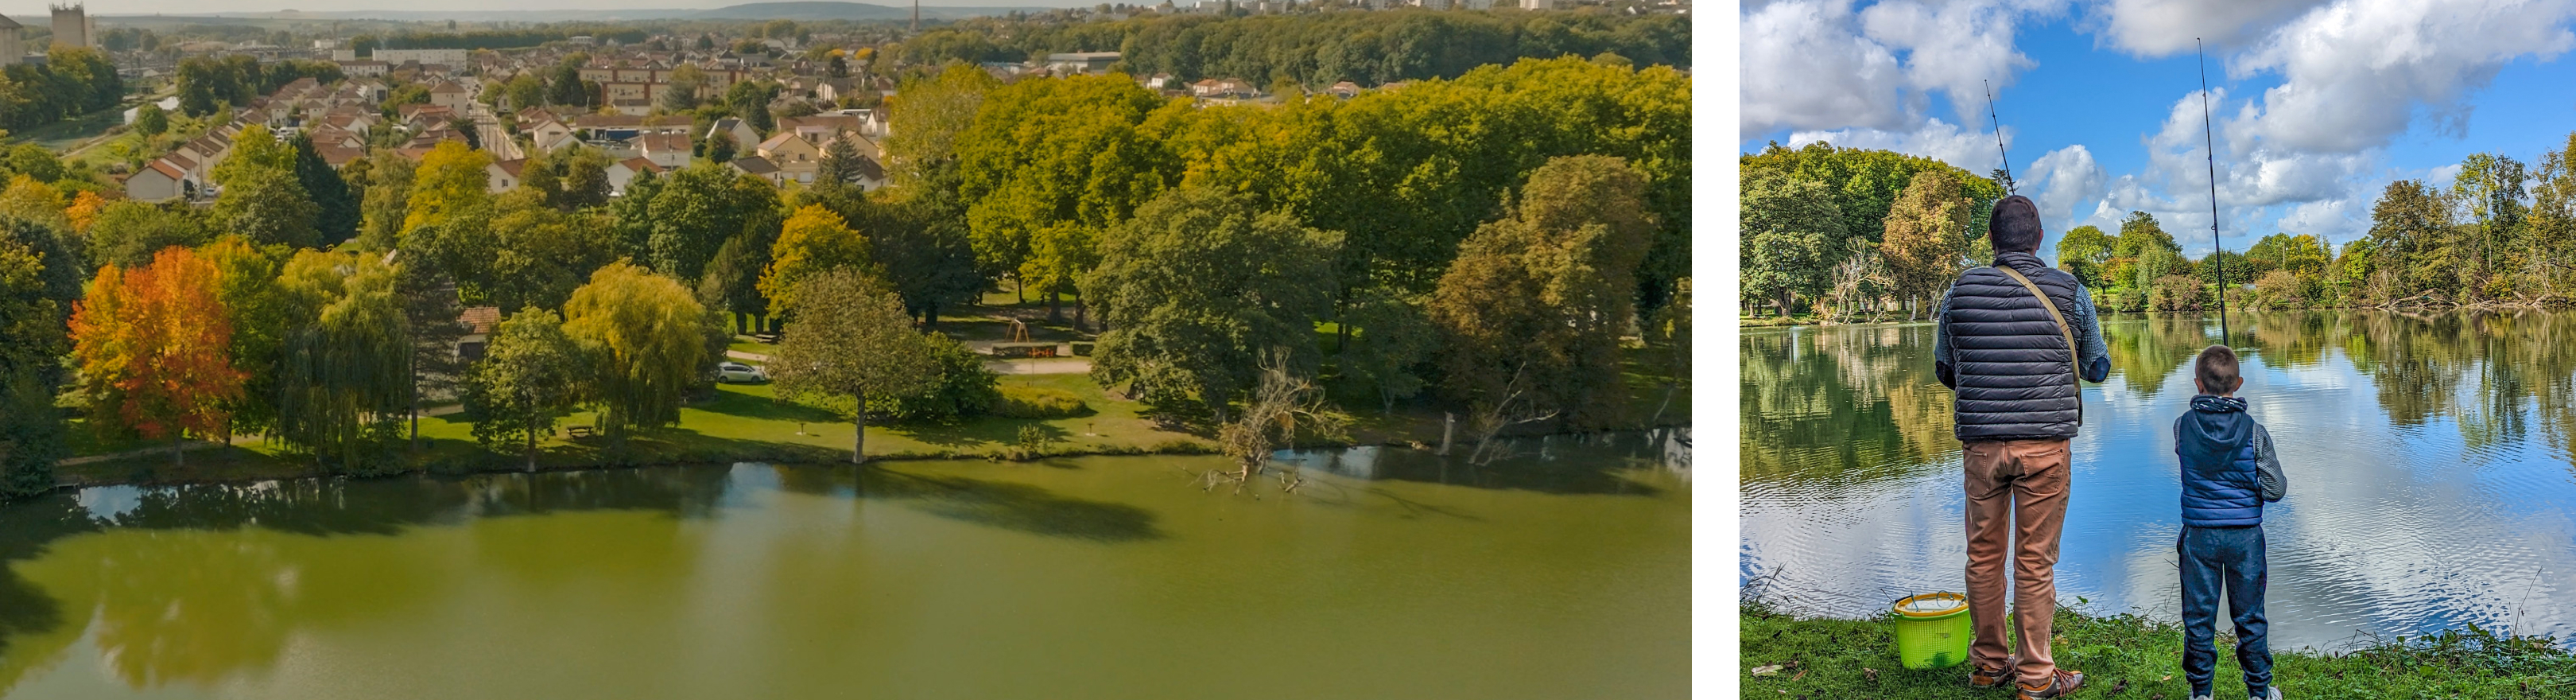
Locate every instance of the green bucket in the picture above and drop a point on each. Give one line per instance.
(1932, 630)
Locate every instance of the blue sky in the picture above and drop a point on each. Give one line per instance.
(2318, 105)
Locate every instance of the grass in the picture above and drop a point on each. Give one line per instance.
(1829, 658)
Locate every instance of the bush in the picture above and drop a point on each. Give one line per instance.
(1036, 402)
(965, 389)
(2178, 293)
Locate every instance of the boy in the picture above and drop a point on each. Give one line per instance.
(2229, 470)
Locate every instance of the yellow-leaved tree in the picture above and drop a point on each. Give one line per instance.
(813, 242)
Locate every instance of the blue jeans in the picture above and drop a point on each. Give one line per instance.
(2232, 557)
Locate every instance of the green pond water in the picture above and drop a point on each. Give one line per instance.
(1561, 572)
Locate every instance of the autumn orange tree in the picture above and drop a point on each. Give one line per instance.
(153, 344)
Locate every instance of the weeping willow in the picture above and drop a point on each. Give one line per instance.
(345, 378)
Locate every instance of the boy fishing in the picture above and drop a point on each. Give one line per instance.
(2229, 470)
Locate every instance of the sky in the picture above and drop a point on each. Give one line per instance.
(2314, 106)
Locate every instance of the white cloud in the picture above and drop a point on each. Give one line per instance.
(1973, 151)
(1806, 66)
(1955, 48)
(2061, 181)
(2355, 72)
(2156, 28)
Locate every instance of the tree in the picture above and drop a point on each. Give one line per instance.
(1790, 227)
(840, 164)
(1197, 286)
(680, 93)
(37, 162)
(127, 233)
(33, 300)
(694, 211)
(750, 100)
(1926, 230)
(851, 338)
(432, 318)
(721, 148)
(646, 339)
(2085, 252)
(2411, 228)
(385, 206)
(1395, 337)
(528, 378)
(814, 241)
(346, 381)
(582, 178)
(1280, 404)
(337, 215)
(838, 67)
(564, 87)
(151, 345)
(525, 90)
(541, 254)
(263, 315)
(151, 120)
(263, 198)
(1544, 294)
(934, 111)
(1049, 164)
(918, 244)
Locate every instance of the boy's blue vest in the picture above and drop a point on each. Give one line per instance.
(2216, 443)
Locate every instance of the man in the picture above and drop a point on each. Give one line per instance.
(2011, 356)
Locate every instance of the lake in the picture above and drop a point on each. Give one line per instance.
(2431, 480)
(1389, 573)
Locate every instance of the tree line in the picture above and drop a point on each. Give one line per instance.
(1315, 49)
(1817, 236)
(208, 84)
(70, 83)
(1498, 266)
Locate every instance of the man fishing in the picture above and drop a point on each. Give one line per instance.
(2009, 343)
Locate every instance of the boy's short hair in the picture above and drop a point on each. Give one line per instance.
(2014, 226)
(2215, 368)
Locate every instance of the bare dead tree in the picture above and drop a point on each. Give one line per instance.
(1279, 407)
(1487, 419)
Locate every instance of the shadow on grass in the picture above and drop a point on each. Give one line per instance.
(1010, 506)
(741, 405)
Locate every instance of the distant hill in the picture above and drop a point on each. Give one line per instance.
(859, 11)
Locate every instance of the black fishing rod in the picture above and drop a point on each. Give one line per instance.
(1999, 137)
(2211, 142)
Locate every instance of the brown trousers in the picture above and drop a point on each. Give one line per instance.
(2016, 491)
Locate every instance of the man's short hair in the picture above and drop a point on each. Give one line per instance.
(2014, 226)
(2215, 368)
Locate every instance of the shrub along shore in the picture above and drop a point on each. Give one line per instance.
(749, 423)
(2132, 657)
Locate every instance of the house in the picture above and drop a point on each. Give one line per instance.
(450, 94)
(624, 171)
(339, 156)
(504, 174)
(1086, 62)
(872, 175)
(741, 130)
(550, 134)
(790, 147)
(636, 108)
(664, 149)
(479, 322)
(1345, 89)
(761, 167)
(157, 181)
(365, 69)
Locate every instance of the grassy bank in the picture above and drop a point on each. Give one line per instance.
(1828, 658)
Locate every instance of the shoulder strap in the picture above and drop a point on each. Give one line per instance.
(2073, 356)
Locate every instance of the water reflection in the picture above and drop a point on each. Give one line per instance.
(774, 578)
(2430, 461)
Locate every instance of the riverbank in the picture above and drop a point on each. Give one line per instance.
(749, 423)
(2132, 657)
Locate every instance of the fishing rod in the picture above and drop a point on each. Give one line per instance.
(1999, 136)
(2211, 143)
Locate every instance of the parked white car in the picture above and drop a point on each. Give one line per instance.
(736, 372)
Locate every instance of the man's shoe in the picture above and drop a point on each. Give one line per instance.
(2060, 685)
(1982, 677)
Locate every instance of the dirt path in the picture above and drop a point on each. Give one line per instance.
(1056, 365)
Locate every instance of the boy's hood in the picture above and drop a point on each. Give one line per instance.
(2215, 427)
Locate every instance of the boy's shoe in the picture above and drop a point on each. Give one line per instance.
(1982, 677)
(2274, 694)
(2202, 697)
(2060, 685)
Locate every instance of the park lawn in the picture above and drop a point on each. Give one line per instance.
(1836, 659)
(744, 343)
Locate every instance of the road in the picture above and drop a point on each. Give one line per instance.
(1047, 365)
